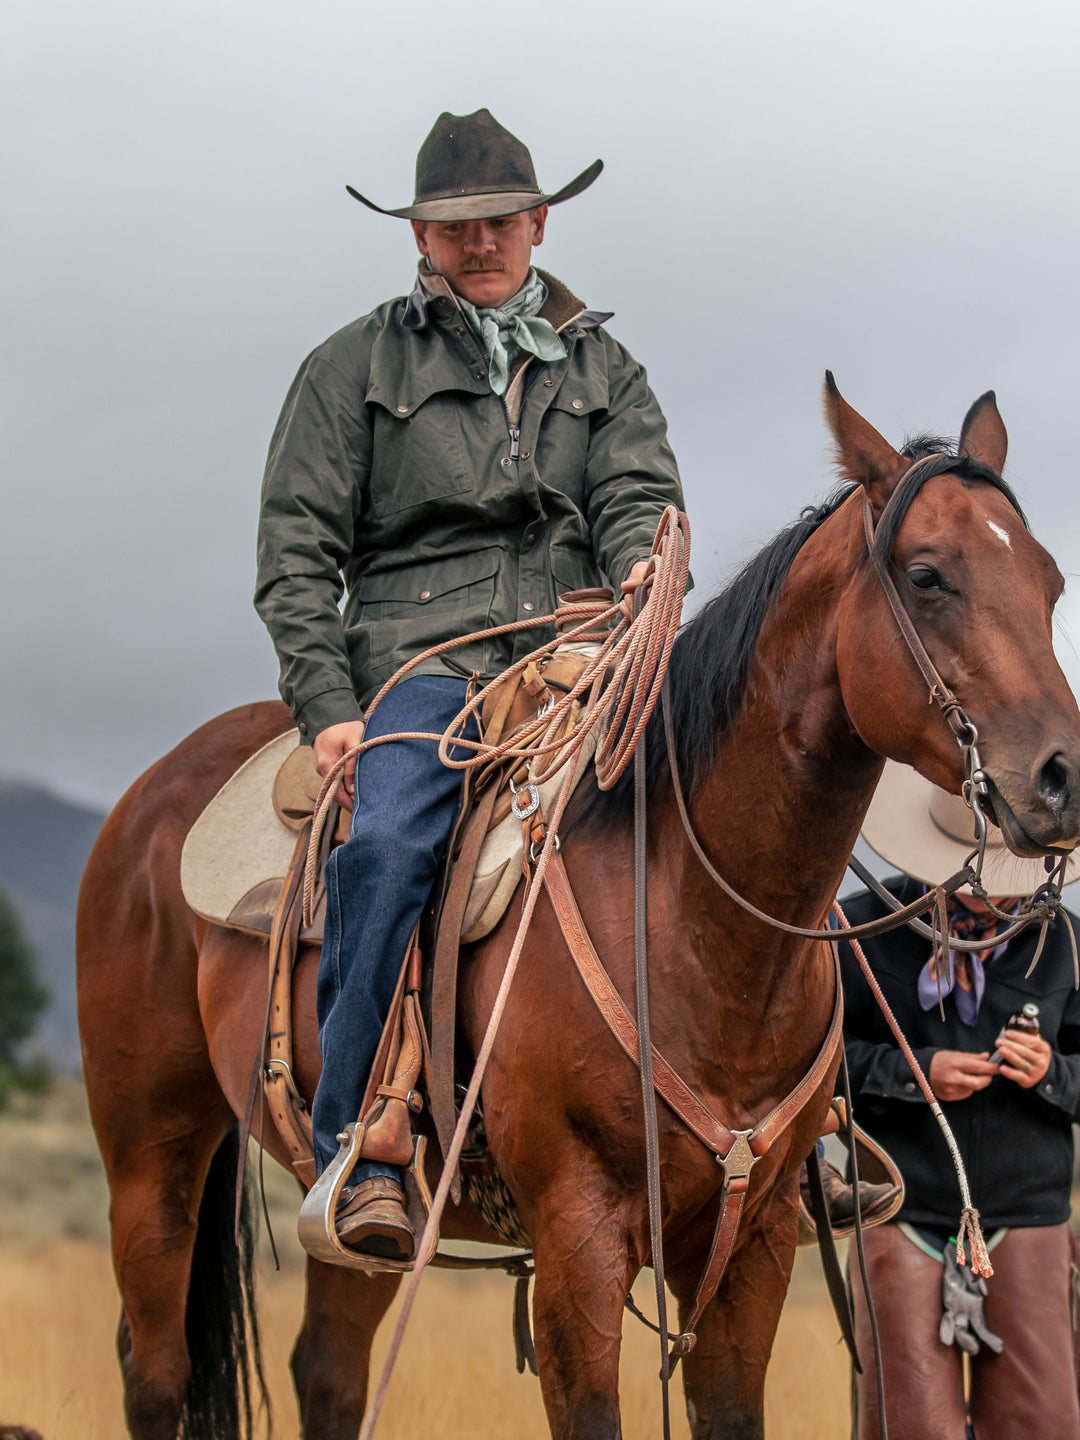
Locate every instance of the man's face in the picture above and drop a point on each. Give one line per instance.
(486, 261)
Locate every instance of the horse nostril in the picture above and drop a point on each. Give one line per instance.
(1054, 782)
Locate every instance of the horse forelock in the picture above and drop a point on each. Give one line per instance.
(939, 458)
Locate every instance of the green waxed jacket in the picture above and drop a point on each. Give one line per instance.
(395, 468)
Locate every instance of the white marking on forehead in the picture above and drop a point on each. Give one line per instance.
(1002, 535)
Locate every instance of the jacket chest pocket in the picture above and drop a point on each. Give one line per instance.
(563, 447)
(418, 450)
(413, 607)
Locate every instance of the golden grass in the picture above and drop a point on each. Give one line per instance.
(58, 1367)
(59, 1306)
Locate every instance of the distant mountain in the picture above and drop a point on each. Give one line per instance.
(44, 842)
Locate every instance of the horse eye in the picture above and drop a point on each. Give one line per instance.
(924, 577)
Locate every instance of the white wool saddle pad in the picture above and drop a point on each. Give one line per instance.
(237, 854)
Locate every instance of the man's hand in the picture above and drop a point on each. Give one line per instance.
(1025, 1057)
(956, 1074)
(629, 585)
(329, 746)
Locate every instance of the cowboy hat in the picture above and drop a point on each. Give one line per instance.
(929, 834)
(471, 168)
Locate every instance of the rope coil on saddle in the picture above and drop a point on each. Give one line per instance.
(617, 690)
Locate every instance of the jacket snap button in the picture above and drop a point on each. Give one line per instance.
(549, 382)
(528, 539)
(910, 1087)
(403, 409)
(525, 454)
(505, 462)
(578, 404)
(424, 595)
(1048, 1089)
(528, 605)
(302, 727)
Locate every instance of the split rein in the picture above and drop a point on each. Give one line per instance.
(1043, 906)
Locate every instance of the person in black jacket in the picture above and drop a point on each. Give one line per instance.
(1011, 1098)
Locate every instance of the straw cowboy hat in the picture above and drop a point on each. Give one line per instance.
(471, 168)
(929, 834)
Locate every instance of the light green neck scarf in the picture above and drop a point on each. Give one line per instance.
(514, 325)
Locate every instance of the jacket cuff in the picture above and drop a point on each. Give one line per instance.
(906, 1086)
(910, 1086)
(1060, 1086)
(623, 567)
(332, 707)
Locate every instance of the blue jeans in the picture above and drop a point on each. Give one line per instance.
(377, 885)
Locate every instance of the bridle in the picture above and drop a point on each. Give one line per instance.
(962, 726)
(975, 787)
(1042, 906)
(975, 784)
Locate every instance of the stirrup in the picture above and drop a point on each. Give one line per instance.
(316, 1223)
(875, 1166)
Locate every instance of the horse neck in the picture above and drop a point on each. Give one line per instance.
(780, 810)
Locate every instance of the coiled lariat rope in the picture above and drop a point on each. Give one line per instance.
(617, 689)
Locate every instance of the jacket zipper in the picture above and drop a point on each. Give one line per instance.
(514, 431)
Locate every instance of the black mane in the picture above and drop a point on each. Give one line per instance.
(708, 668)
(711, 656)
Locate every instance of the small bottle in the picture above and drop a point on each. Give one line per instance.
(1028, 1019)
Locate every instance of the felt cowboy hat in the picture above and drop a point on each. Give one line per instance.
(471, 168)
(929, 833)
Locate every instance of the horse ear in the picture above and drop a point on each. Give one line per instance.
(983, 435)
(861, 453)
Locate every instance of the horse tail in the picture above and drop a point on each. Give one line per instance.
(221, 1326)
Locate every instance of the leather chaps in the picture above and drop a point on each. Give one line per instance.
(1029, 1390)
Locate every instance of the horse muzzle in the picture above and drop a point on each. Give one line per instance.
(1038, 814)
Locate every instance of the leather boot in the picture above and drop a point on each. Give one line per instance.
(371, 1218)
(840, 1196)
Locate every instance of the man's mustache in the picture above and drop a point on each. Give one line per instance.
(479, 264)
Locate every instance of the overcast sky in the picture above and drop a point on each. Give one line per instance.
(887, 190)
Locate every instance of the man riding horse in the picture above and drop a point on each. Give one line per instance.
(457, 457)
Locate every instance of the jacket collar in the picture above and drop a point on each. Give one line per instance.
(431, 293)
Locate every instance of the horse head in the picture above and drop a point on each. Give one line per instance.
(979, 591)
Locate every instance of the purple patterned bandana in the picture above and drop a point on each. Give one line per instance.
(963, 976)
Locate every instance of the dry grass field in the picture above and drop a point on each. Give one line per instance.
(58, 1310)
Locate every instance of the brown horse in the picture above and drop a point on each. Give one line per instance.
(788, 689)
